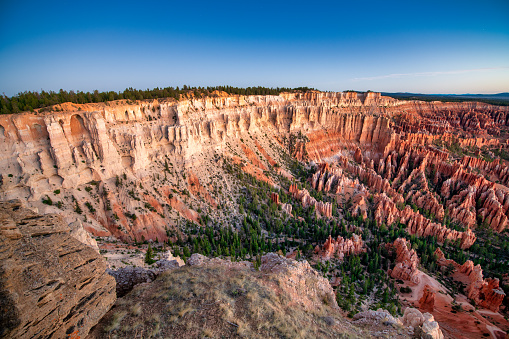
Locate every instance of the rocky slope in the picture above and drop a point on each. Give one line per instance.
(51, 285)
(214, 298)
(283, 297)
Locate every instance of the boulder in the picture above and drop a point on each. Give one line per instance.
(128, 277)
(430, 328)
(412, 317)
(378, 316)
(424, 325)
(197, 259)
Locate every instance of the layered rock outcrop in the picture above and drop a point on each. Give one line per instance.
(406, 262)
(340, 247)
(387, 211)
(51, 285)
(324, 208)
(484, 292)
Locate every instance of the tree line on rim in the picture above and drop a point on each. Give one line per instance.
(28, 101)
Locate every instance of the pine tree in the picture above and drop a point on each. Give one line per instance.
(149, 255)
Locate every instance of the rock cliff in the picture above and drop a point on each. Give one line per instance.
(51, 285)
(129, 150)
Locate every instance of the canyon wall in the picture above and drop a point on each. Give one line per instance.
(113, 167)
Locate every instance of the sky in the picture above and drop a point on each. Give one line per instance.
(444, 46)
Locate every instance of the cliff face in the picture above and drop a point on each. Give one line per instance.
(129, 169)
(51, 285)
(98, 141)
(122, 145)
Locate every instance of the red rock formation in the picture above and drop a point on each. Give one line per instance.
(484, 292)
(412, 139)
(358, 155)
(406, 262)
(350, 128)
(197, 189)
(428, 202)
(494, 201)
(386, 211)
(265, 154)
(275, 198)
(340, 247)
(326, 178)
(423, 227)
(427, 301)
(333, 180)
(359, 205)
(475, 118)
(371, 179)
(461, 189)
(324, 208)
(495, 168)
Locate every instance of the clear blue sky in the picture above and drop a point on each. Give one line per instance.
(410, 46)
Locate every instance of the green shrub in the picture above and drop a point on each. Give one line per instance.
(47, 201)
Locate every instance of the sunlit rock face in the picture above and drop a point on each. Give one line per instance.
(116, 163)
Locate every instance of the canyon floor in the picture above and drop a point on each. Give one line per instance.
(385, 204)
